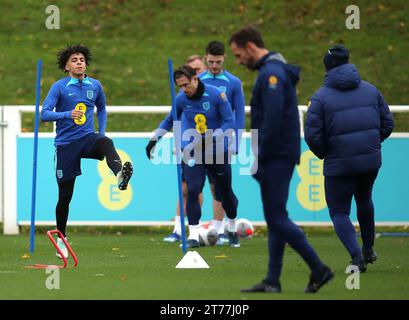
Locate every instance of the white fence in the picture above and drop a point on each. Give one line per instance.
(10, 129)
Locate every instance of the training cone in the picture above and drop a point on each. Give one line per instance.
(192, 260)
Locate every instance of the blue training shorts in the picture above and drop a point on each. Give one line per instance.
(68, 156)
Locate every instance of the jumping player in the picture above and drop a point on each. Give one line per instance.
(70, 102)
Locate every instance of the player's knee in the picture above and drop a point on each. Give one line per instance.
(276, 221)
(184, 189)
(227, 193)
(363, 198)
(218, 197)
(65, 191)
(193, 193)
(275, 225)
(106, 143)
(338, 215)
(64, 198)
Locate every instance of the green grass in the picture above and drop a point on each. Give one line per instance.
(132, 40)
(141, 266)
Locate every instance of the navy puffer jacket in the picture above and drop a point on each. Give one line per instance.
(346, 122)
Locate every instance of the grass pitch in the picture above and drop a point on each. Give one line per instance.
(132, 40)
(141, 266)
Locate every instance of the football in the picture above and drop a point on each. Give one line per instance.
(208, 236)
(245, 228)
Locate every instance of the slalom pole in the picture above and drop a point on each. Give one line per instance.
(34, 182)
(177, 140)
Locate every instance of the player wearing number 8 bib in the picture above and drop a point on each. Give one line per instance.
(204, 111)
(70, 102)
(216, 75)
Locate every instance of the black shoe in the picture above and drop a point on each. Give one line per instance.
(370, 255)
(359, 261)
(318, 279)
(125, 175)
(233, 239)
(263, 287)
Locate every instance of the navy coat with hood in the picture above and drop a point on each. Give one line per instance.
(346, 122)
(274, 110)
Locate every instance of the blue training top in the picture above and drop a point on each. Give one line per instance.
(67, 94)
(274, 109)
(211, 111)
(232, 87)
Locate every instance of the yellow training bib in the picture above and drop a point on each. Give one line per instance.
(200, 120)
(82, 107)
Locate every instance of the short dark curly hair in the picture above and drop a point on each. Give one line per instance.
(64, 55)
(215, 48)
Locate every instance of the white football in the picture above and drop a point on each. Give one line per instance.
(245, 228)
(208, 236)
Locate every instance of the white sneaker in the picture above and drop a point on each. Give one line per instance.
(63, 248)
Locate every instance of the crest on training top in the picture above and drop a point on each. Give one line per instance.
(272, 82)
(206, 105)
(90, 94)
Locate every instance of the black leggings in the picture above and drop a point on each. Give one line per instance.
(65, 191)
(221, 175)
(103, 147)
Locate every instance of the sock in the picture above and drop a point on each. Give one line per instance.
(218, 225)
(177, 229)
(231, 225)
(194, 232)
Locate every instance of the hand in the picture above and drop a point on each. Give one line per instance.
(77, 114)
(149, 148)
